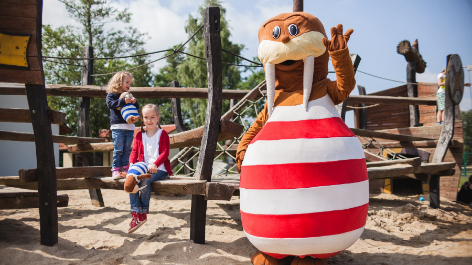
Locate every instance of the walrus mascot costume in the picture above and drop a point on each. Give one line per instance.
(304, 187)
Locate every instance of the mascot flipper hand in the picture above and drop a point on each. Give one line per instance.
(301, 167)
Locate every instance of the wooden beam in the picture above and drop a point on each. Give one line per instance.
(401, 170)
(389, 136)
(29, 175)
(412, 93)
(212, 120)
(419, 144)
(138, 92)
(297, 5)
(188, 138)
(360, 115)
(30, 137)
(354, 99)
(23, 115)
(190, 186)
(220, 191)
(410, 161)
(26, 200)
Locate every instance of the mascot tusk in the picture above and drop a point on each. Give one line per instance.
(309, 66)
(270, 83)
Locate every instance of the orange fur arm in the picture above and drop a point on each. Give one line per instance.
(345, 82)
(249, 135)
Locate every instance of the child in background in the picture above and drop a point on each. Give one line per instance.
(122, 132)
(152, 147)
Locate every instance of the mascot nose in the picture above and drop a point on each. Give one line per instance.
(285, 38)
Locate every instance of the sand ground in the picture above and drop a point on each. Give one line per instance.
(399, 230)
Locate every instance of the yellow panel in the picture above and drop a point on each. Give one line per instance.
(13, 50)
(388, 186)
(425, 188)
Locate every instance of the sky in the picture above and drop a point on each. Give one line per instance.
(441, 27)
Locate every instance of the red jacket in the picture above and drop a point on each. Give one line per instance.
(137, 155)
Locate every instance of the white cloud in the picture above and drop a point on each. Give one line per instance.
(55, 14)
(427, 76)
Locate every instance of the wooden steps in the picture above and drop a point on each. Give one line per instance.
(14, 198)
(29, 137)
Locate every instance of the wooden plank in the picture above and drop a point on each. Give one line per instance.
(220, 191)
(30, 137)
(419, 144)
(29, 175)
(23, 2)
(401, 170)
(38, 105)
(17, 23)
(21, 76)
(389, 136)
(138, 92)
(20, 201)
(410, 161)
(412, 93)
(23, 115)
(212, 120)
(18, 9)
(178, 186)
(387, 100)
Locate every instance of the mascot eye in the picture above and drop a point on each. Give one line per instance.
(276, 32)
(293, 29)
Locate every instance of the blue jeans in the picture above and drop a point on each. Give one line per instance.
(139, 201)
(122, 140)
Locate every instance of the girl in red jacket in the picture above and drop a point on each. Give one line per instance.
(152, 147)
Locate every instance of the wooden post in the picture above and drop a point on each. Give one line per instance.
(46, 167)
(361, 114)
(341, 107)
(179, 124)
(297, 5)
(84, 119)
(212, 120)
(412, 92)
(454, 85)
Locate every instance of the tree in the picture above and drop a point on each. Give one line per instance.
(192, 71)
(467, 131)
(68, 41)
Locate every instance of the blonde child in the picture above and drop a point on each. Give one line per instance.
(122, 132)
(152, 147)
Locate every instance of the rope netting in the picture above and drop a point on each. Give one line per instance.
(225, 155)
(380, 150)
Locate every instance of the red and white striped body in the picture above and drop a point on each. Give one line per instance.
(304, 187)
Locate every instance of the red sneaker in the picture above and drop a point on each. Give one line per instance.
(136, 222)
(142, 217)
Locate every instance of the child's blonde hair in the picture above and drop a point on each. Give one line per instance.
(155, 108)
(116, 82)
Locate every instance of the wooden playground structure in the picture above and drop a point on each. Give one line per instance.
(24, 19)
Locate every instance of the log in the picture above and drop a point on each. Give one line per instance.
(387, 100)
(138, 92)
(23, 115)
(401, 170)
(30, 137)
(29, 175)
(389, 136)
(410, 161)
(178, 186)
(26, 200)
(412, 93)
(179, 140)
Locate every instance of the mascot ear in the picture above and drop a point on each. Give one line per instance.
(130, 184)
(144, 176)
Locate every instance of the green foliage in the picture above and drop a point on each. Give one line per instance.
(192, 71)
(467, 130)
(69, 41)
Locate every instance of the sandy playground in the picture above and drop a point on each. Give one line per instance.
(400, 230)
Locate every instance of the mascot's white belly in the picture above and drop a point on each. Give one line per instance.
(304, 187)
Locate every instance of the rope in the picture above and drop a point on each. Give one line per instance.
(77, 65)
(424, 84)
(365, 107)
(174, 52)
(201, 58)
(240, 57)
(106, 58)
